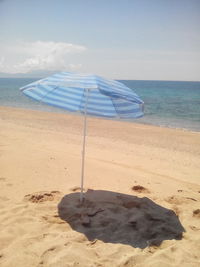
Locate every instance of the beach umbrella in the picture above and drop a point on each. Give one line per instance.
(87, 94)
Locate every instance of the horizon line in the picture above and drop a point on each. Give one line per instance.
(117, 79)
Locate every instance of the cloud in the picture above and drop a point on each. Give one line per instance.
(75, 66)
(25, 57)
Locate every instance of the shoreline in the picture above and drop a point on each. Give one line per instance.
(137, 121)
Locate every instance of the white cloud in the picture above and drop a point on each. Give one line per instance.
(75, 66)
(25, 57)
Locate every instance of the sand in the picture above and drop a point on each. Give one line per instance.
(142, 200)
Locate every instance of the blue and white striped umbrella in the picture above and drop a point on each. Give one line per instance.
(70, 91)
(87, 94)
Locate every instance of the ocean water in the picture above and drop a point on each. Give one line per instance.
(174, 104)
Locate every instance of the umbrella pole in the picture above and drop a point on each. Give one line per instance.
(83, 151)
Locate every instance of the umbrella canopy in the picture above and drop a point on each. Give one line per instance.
(71, 91)
(87, 94)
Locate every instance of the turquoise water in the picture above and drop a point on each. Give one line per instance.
(167, 103)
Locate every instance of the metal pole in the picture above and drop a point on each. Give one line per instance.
(83, 151)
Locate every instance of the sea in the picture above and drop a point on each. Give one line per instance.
(173, 104)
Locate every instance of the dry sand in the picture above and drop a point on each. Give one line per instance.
(142, 206)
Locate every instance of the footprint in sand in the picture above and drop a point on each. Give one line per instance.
(194, 228)
(47, 254)
(42, 196)
(140, 189)
(179, 200)
(196, 213)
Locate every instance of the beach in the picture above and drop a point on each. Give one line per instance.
(130, 170)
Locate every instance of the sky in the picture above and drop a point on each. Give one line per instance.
(117, 39)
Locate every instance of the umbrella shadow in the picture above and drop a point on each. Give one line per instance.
(120, 218)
